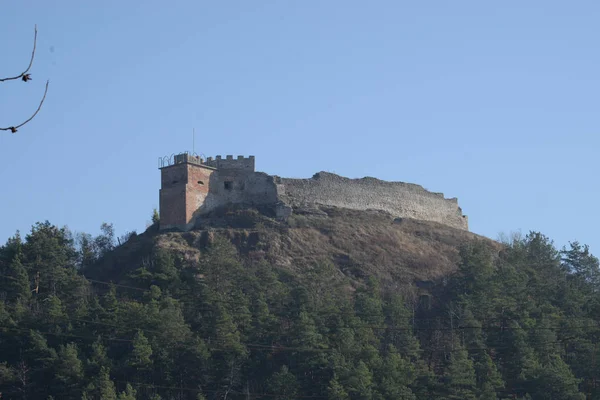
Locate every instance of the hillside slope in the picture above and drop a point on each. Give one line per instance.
(398, 252)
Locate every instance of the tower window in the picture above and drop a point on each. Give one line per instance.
(200, 183)
(228, 185)
(174, 182)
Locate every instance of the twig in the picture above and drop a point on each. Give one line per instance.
(24, 75)
(13, 129)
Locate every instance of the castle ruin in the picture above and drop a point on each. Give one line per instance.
(192, 187)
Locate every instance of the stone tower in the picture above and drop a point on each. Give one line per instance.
(184, 187)
(191, 186)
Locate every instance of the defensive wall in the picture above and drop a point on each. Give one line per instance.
(192, 187)
(398, 198)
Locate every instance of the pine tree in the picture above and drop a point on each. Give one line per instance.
(87, 252)
(101, 387)
(98, 358)
(140, 357)
(129, 393)
(109, 305)
(460, 376)
(312, 365)
(360, 382)
(68, 371)
(105, 242)
(283, 384)
(552, 380)
(155, 217)
(489, 380)
(231, 352)
(369, 305)
(581, 263)
(17, 283)
(54, 311)
(38, 366)
(336, 391)
(49, 251)
(8, 379)
(396, 375)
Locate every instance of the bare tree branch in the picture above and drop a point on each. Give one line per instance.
(13, 129)
(25, 76)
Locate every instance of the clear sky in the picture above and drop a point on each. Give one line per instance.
(495, 103)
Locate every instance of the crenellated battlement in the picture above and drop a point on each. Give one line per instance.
(239, 163)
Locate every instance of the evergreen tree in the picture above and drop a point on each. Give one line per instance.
(475, 287)
(359, 382)
(109, 306)
(283, 384)
(230, 352)
(101, 387)
(582, 264)
(369, 305)
(128, 394)
(68, 371)
(17, 280)
(396, 375)
(460, 376)
(87, 251)
(336, 391)
(140, 357)
(8, 380)
(552, 380)
(49, 252)
(489, 380)
(312, 364)
(36, 369)
(105, 242)
(98, 359)
(400, 334)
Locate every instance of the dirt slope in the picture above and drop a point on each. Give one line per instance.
(360, 243)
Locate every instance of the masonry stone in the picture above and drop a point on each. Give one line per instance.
(192, 187)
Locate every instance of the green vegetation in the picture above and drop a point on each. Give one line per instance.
(155, 217)
(516, 323)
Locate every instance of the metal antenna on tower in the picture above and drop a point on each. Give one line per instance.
(193, 140)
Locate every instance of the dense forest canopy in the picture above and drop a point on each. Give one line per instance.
(519, 323)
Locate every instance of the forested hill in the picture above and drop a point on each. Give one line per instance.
(330, 305)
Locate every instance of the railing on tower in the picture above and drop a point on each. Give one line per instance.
(179, 158)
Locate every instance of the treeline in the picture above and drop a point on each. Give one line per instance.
(519, 324)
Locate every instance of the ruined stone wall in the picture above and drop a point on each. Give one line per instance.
(398, 198)
(197, 190)
(236, 186)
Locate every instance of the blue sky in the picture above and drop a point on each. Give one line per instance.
(495, 103)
